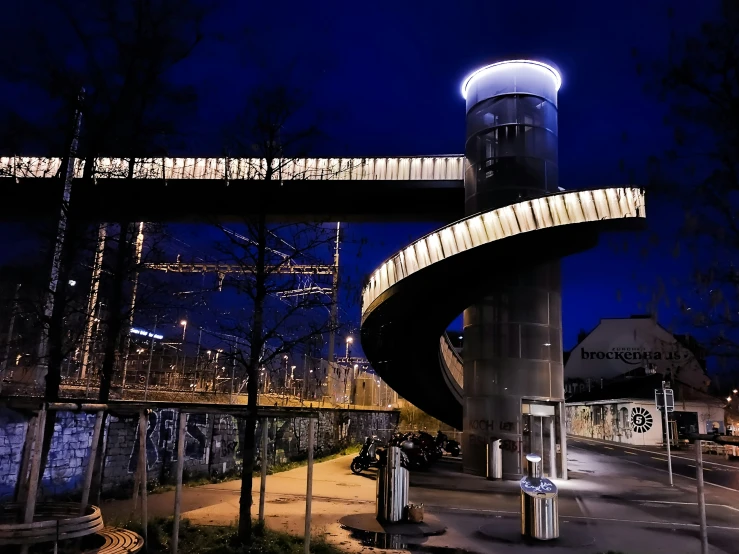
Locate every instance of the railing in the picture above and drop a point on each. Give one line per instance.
(215, 267)
(451, 359)
(422, 168)
(540, 213)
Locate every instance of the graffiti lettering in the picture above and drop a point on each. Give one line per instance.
(482, 424)
(509, 445)
(507, 425)
(152, 455)
(166, 429)
(195, 448)
(228, 448)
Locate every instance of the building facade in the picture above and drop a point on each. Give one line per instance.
(636, 345)
(638, 421)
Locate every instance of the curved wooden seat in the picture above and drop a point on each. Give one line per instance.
(118, 541)
(52, 521)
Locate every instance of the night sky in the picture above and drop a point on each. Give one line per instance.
(386, 76)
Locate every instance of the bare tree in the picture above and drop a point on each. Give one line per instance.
(125, 54)
(700, 175)
(278, 314)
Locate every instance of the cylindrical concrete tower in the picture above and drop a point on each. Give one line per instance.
(513, 371)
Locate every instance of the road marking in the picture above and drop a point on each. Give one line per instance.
(658, 459)
(681, 475)
(686, 504)
(632, 453)
(608, 447)
(586, 518)
(601, 443)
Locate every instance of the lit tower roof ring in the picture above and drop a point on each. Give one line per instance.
(512, 77)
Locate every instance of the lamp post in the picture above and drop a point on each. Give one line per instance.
(355, 374)
(284, 360)
(184, 332)
(197, 363)
(349, 341)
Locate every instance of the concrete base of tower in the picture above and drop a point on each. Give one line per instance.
(513, 374)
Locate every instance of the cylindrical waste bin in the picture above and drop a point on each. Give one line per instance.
(392, 487)
(495, 460)
(539, 503)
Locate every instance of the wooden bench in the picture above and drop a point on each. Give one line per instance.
(52, 522)
(118, 541)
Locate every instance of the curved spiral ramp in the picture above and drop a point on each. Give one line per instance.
(414, 295)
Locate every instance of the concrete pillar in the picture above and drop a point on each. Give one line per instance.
(513, 337)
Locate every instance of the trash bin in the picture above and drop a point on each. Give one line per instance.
(392, 487)
(539, 503)
(495, 460)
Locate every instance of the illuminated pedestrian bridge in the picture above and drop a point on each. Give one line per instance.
(500, 266)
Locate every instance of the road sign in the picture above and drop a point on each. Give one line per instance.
(662, 396)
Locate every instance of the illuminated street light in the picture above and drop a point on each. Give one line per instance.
(728, 398)
(735, 391)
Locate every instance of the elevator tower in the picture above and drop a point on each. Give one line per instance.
(513, 370)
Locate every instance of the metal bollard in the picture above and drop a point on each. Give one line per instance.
(495, 460)
(381, 487)
(539, 503)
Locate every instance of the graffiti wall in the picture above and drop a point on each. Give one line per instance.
(213, 444)
(635, 422)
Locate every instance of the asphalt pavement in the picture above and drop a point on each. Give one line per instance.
(717, 471)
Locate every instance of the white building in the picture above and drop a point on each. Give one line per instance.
(612, 374)
(636, 345)
(637, 421)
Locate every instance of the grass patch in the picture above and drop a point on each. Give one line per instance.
(207, 539)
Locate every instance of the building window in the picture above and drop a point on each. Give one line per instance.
(623, 418)
(597, 415)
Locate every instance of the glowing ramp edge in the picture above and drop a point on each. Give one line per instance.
(564, 208)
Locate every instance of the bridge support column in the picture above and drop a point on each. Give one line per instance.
(513, 372)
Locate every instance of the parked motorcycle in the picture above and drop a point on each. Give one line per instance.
(450, 446)
(416, 447)
(368, 457)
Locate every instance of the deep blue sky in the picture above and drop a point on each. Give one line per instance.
(386, 77)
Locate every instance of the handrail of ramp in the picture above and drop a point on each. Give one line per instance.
(563, 208)
(451, 361)
(409, 168)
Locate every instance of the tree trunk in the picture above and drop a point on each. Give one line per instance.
(55, 348)
(252, 387)
(114, 323)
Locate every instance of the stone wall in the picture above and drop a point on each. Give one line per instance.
(213, 445)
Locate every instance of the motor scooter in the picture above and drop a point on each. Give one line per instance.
(368, 457)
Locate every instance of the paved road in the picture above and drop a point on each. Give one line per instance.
(718, 473)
